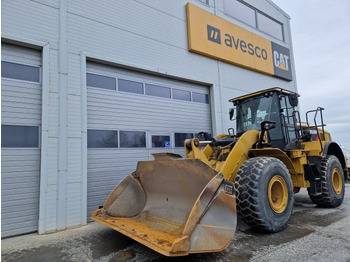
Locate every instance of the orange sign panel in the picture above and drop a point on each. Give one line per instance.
(217, 38)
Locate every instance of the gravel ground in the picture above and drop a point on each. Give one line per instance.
(313, 234)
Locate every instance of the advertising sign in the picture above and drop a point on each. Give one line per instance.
(212, 36)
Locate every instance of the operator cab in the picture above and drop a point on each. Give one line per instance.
(272, 110)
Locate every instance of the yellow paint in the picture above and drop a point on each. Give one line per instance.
(295, 153)
(299, 159)
(278, 194)
(195, 152)
(227, 160)
(160, 241)
(275, 89)
(313, 147)
(294, 163)
(277, 153)
(238, 154)
(293, 159)
(198, 33)
(207, 151)
(327, 136)
(282, 66)
(337, 181)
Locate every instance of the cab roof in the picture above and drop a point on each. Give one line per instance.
(274, 89)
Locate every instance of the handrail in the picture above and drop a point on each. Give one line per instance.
(296, 118)
(285, 128)
(318, 109)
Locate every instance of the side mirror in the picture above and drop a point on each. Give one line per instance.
(231, 131)
(267, 125)
(232, 111)
(293, 99)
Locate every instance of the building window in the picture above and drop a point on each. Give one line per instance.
(130, 86)
(102, 139)
(269, 26)
(100, 81)
(181, 95)
(153, 90)
(19, 136)
(200, 98)
(254, 18)
(204, 1)
(161, 141)
(132, 139)
(240, 11)
(20, 71)
(181, 137)
(135, 87)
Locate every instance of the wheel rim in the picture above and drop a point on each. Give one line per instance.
(278, 194)
(337, 181)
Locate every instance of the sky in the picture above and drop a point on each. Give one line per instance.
(321, 45)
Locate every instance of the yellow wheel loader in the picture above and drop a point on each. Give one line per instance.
(179, 206)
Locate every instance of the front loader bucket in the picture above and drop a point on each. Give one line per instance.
(174, 207)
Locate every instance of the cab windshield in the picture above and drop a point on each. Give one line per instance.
(251, 112)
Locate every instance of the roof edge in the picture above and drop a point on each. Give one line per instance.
(260, 92)
(278, 8)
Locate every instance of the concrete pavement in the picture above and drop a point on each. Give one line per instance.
(313, 234)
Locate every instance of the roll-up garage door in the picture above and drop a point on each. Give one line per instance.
(132, 115)
(20, 147)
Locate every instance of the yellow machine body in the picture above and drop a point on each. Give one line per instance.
(243, 150)
(179, 206)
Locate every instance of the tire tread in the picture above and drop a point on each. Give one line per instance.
(324, 200)
(247, 192)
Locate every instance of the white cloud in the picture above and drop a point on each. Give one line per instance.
(321, 44)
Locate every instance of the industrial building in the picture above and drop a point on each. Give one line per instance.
(90, 88)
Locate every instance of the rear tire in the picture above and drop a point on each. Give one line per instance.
(332, 183)
(264, 194)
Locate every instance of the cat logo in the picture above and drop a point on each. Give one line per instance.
(281, 60)
(214, 34)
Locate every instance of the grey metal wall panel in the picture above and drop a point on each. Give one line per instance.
(19, 190)
(116, 110)
(20, 54)
(20, 167)
(106, 168)
(162, 45)
(21, 102)
(30, 19)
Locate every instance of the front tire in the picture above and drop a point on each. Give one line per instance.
(264, 194)
(332, 183)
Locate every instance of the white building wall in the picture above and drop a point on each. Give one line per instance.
(31, 22)
(146, 35)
